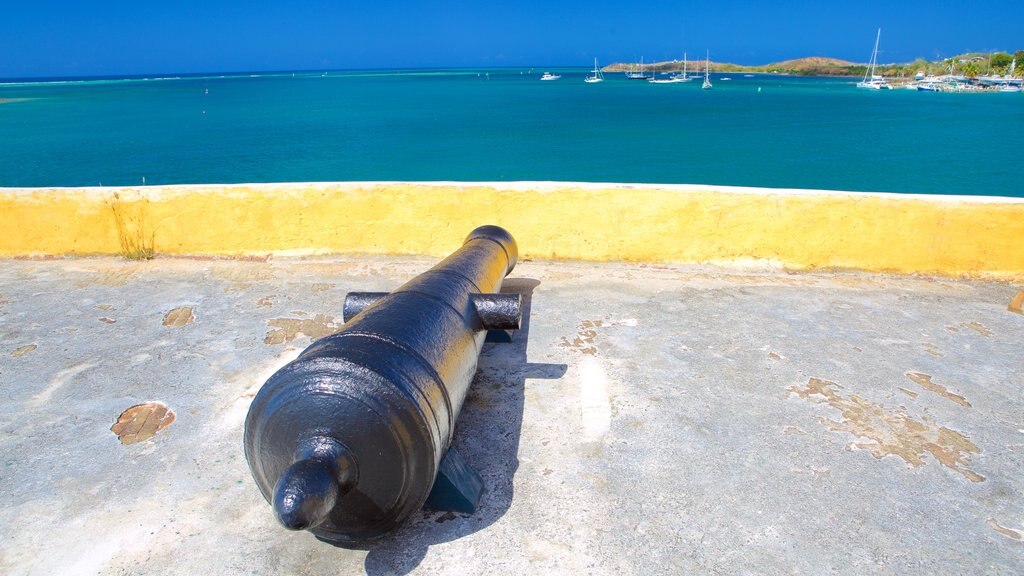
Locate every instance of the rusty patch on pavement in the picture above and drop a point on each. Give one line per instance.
(287, 329)
(179, 317)
(977, 327)
(18, 352)
(925, 381)
(584, 340)
(892, 431)
(1008, 532)
(1017, 304)
(141, 422)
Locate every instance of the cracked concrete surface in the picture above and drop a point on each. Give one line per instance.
(646, 420)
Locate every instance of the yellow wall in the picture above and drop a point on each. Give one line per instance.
(800, 230)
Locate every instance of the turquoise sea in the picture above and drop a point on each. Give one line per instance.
(505, 124)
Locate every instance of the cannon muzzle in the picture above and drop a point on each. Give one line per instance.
(353, 436)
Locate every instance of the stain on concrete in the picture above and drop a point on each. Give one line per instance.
(586, 333)
(107, 320)
(141, 422)
(892, 431)
(1004, 531)
(19, 352)
(321, 287)
(265, 302)
(910, 393)
(925, 381)
(105, 307)
(583, 341)
(1016, 305)
(2, 301)
(977, 327)
(932, 349)
(287, 329)
(774, 356)
(953, 329)
(179, 317)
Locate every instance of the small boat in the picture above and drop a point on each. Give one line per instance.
(871, 80)
(597, 76)
(707, 80)
(928, 87)
(549, 76)
(726, 79)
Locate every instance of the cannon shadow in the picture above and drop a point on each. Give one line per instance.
(487, 435)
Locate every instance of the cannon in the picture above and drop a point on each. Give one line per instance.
(353, 436)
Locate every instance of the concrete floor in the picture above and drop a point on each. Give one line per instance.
(646, 420)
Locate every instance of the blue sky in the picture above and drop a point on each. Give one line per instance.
(40, 38)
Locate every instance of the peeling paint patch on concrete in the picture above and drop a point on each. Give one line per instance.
(287, 329)
(932, 349)
(1008, 532)
(892, 431)
(321, 287)
(106, 320)
(910, 393)
(925, 381)
(1016, 305)
(19, 352)
(977, 327)
(774, 356)
(104, 306)
(141, 422)
(265, 302)
(179, 317)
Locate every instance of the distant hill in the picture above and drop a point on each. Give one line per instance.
(970, 64)
(813, 66)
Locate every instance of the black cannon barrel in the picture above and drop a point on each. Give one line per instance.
(347, 439)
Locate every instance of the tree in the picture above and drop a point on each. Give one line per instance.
(1001, 60)
(1019, 57)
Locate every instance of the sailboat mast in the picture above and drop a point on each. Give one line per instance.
(874, 54)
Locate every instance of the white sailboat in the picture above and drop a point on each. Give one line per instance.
(685, 77)
(871, 80)
(597, 76)
(549, 76)
(634, 75)
(707, 80)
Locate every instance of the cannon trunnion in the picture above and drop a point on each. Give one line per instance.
(352, 437)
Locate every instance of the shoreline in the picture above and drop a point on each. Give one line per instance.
(740, 227)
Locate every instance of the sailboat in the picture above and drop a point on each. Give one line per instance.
(597, 77)
(1011, 86)
(674, 78)
(872, 80)
(634, 75)
(707, 81)
(685, 77)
